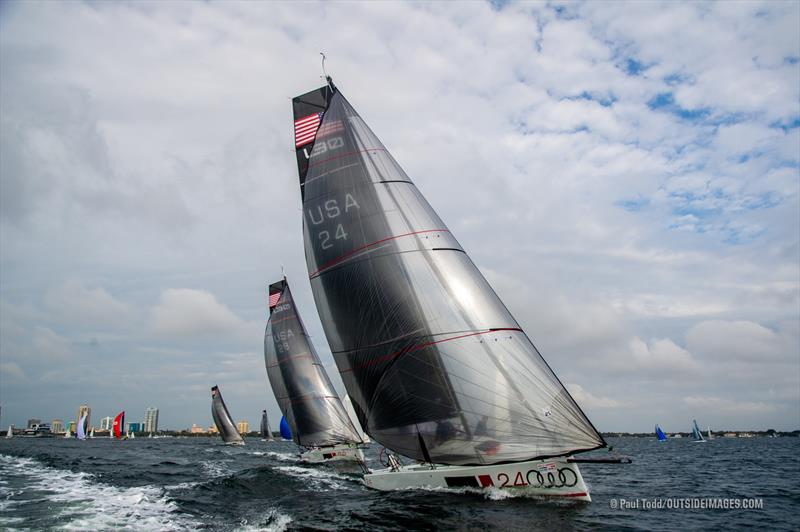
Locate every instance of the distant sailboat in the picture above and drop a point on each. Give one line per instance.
(82, 427)
(319, 422)
(286, 431)
(10, 433)
(119, 426)
(68, 434)
(660, 434)
(696, 434)
(708, 433)
(222, 419)
(266, 433)
(132, 435)
(91, 433)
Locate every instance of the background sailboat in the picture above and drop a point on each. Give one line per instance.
(10, 433)
(286, 431)
(660, 434)
(436, 367)
(696, 434)
(222, 419)
(81, 429)
(118, 426)
(305, 395)
(266, 433)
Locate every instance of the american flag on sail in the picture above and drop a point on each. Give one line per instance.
(305, 129)
(273, 299)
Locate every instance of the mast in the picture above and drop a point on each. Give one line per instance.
(435, 365)
(304, 392)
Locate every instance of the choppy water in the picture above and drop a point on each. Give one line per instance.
(198, 483)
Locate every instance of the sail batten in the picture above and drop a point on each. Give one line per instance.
(436, 367)
(305, 395)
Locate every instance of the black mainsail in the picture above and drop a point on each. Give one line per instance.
(301, 386)
(437, 368)
(222, 418)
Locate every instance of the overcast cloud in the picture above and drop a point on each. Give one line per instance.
(625, 175)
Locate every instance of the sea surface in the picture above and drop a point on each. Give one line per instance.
(199, 483)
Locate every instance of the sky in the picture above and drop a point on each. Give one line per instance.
(625, 175)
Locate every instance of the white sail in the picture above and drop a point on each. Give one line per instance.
(10, 432)
(81, 429)
(91, 433)
(348, 406)
(68, 434)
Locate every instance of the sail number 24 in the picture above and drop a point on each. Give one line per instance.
(331, 210)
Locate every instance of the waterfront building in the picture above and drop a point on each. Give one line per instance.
(72, 426)
(213, 429)
(106, 422)
(57, 426)
(195, 429)
(135, 427)
(243, 427)
(34, 421)
(151, 419)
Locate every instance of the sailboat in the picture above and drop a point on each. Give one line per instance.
(708, 433)
(696, 434)
(10, 433)
(132, 435)
(222, 419)
(81, 429)
(312, 408)
(266, 433)
(91, 433)
(68, 434)
(286, 432)
(660, 434)
(436, 367)
(118, 427)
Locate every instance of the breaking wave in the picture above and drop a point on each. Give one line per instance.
(83, 503)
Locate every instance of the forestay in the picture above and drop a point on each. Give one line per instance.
(301, 386)
(436, 366)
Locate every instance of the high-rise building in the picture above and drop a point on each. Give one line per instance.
(57, 426)
(243, 427)
(34, 421)
(135, 427)
(151, 419)
(72, 426)
(85, 409)
(105, 423)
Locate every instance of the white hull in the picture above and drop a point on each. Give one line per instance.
(336, 453)
(549, 478)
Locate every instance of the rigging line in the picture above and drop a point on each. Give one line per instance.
(417, 347)
(352, 252)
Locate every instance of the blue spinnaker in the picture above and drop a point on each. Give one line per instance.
(660, 434)
(286, 432)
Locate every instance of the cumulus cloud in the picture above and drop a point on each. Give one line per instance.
(587, 400)
(188, 313)
(86, 306)
(741, 341)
